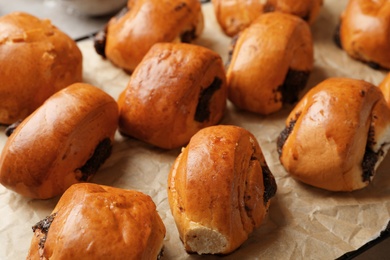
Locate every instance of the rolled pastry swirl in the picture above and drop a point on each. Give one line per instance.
(219, 189)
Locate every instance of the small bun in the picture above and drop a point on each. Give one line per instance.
(219, 189)
(36, 60)
(271, 63)
(176, 90)
(235, 16)
(63, 142)
(92, 221)
(364, 32)
(130, 35)
(337, 135)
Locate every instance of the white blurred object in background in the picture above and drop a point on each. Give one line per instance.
(90, 7)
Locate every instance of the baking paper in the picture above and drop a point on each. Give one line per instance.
(303, 222)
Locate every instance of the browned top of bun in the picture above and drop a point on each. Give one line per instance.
(100, 222)
(160, 103)
(331, 129)
(235, 15)
(217, 189)
(308, 10)
(46, 152)
(130, 36)
(264, 53)
(36, 60)
(365, 30)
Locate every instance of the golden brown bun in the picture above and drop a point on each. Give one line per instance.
(337, 135)
(308, 10)
(36, 60)
(219, 189)
(384, 86)
(234, 16)
(365, 30)
(130, 36)
(98, 222)
(176, 90)
(63, 142)
(271, 63)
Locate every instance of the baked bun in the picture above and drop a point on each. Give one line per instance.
(176, 90)
(36, 60)
(234, 16)
(364, 32)
(271, 62)
(219, 189)
(308, 10)
(130, 35)
(337, 135)
(91, 221)
(63, 142)
(384, 86)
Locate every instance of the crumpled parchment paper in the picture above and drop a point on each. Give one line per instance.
(303, 222)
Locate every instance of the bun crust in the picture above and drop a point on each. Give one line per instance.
(234, 16)
(384, 86)
(219, 189)
(271, 63)
(337, 135)
(92, 221)
(308, 10)
(63, 142)
(130, 36)
(176, 90)
(36, 54)
(365, 30)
